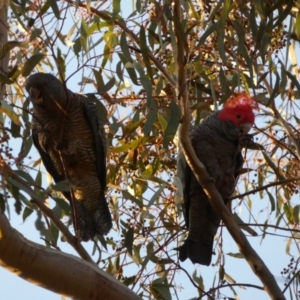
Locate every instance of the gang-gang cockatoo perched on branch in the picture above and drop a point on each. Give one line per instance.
(218, 141)
(69, 135)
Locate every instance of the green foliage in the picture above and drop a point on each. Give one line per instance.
(129, 62)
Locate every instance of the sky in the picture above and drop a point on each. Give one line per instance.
(271, 250)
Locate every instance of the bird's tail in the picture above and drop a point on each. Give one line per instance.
(196, 251)
(93, 223)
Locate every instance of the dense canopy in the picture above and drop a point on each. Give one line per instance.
(144, 63)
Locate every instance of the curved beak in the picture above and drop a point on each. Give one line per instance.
(245, 128)
(35, 94)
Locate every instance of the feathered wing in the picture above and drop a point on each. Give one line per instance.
(201, 220)
(71, 141)
(48, 163)
(102, 216)
(221, 157)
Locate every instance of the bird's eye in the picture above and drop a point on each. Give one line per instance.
(238, 116)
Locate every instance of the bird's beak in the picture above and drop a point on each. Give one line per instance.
(35, 95)
(245, 128)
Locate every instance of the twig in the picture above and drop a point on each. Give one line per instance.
(291, 280)
(264, 188)
(278, 142)
(116, 21)
(74, 242)
(287, 127)
(230, 285)
(271, 226)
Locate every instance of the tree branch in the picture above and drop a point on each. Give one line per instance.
(216, 201)
(57, 271)
(256, 263)
(287, 127)
(74, 242)
(219, 287)
(3, 39)
(264, 187)
(7, 172)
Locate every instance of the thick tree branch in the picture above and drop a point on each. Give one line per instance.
(216, 201)
(56, 271)
(255, 262)
(7, 172)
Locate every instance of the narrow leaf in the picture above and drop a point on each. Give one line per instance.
(243, 226)
(106, 87)
(260, 7)
(272, 201)
(31, 63)
(271, 164)
(26, 213)
(124, 47)
(116, 6)
(5, 49)
(23, 187)
(53, 4)
(207, 33)
(151, 117)
(163, 122)
(144, 50)
(174, 120)
(296, 213)
(8, 110)
(293, 79)
(131, 145)
(129, 240)
(155, 196)
(236, 255)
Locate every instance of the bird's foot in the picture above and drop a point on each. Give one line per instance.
(245, 141)
(63, 148)
(59, 147)
(211, 180)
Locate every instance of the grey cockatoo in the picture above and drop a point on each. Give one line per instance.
(70, 138)
(218, 141)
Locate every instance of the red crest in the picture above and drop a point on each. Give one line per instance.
(241, 99)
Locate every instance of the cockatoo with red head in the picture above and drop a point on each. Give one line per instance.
(217, 141)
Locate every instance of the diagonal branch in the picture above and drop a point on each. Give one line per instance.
(256, 263)
(216, 201)
(59, 272)
(7, 172)
(74, 242)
